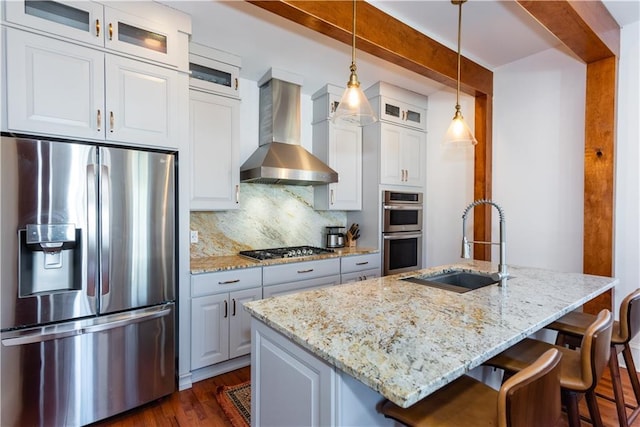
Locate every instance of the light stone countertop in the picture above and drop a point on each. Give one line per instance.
(232, 262)
(406, 340)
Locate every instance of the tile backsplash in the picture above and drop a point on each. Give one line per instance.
(269, 216)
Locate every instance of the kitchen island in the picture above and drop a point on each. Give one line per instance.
(328, 356)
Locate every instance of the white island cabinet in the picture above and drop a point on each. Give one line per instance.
(327, 357)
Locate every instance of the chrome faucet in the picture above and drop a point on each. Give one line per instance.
(502, 273)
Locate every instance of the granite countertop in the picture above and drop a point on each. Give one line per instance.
(406, 340)
(232, 262)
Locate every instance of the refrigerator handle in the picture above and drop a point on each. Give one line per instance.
(105, 244)
(91, 231)
(40, 337)
(64, 331)
(136, 317)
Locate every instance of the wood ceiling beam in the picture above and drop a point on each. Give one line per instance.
(387, 38)
(585, 27)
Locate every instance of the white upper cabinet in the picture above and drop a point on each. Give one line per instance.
(215, 163)
(112, 27)
(398, 106)
(340, 147)
(401, 153)
(79, 20)
(398, 139)
(89, 71)
(141, 102)
(53, 87)
(62, 89)
(214, 127)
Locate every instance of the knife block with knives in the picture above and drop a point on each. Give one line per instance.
(352, 235)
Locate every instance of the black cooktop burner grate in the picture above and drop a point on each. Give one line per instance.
(288, 252)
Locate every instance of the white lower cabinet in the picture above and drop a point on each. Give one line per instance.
(359, 267)
(289, 278)
(220, 327)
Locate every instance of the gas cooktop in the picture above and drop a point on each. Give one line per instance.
(288, 252)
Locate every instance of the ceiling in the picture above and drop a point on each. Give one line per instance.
(494, 33)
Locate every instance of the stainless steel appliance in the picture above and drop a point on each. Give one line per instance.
(87, 280)
(280, 159)
(286, 252)
(402, 214)
(335, 237)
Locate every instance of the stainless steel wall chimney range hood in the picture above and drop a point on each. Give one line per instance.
(280, 159)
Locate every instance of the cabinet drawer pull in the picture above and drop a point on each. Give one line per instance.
(234, 307)
(112, 121)
(236, 83)
(99, 120)
(237, 193)
(305, 271)
(362, 263)
(97, 28)
(226, 309)
(110, 31)
(228, 282)
(406, 175)
(331, 198)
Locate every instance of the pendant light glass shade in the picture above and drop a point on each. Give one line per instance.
(354, 107)
(459, 133)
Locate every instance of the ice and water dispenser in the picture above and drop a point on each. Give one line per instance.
(49, 259)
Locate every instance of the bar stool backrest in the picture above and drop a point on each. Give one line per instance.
(630, 316)
(596, 349)
(531, 398)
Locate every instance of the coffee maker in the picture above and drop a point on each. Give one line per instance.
(335, 237)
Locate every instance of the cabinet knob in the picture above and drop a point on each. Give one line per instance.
(97, 28)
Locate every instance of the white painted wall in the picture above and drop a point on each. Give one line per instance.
(627, 197)
(538, 152)
(449, 187)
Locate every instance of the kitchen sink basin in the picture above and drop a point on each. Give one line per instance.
(456, 281)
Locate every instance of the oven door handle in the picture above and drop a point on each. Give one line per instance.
(402, 207)
(400, 235)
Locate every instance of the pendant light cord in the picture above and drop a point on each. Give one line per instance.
(353, 44)
(459, 43)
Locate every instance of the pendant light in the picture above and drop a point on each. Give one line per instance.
(459, 133)
(354, 107)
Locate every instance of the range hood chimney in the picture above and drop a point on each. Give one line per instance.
(280, 159)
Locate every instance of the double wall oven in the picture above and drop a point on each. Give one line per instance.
(401, 231)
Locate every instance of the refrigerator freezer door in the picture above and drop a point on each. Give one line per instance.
(137, 206)
(45, 231)
(80, 372)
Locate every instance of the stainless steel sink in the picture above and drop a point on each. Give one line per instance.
(456, 281)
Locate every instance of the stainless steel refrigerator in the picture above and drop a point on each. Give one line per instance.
(88, 272)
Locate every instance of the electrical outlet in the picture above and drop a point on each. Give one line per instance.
(194, 236)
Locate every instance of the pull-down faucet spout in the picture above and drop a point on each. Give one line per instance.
(502, 273)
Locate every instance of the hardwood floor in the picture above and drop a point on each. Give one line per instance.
(198, 407)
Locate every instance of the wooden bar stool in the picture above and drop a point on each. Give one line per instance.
(580, 369)
(571, 329)
(530, 398)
